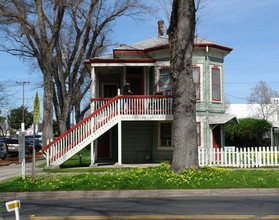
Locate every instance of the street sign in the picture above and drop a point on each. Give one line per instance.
(14, 206)
(11, 206)
(36, 118)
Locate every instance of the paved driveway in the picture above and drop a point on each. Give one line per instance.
(16, 169)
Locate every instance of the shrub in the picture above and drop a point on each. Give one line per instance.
(250, 132)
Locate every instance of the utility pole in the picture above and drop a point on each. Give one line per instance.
(21, 152)
(23, 83)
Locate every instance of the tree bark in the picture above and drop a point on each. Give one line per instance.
(181, 37)
(47, 109)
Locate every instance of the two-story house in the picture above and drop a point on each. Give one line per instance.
(138, 128)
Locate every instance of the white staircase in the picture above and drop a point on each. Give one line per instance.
(103, 119)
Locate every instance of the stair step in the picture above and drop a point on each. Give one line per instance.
(105, 163)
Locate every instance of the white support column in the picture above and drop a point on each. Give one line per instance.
(93, 87)
(93, 83)
(119, 143)
(92, 154)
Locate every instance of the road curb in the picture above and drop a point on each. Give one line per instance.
(157, 193)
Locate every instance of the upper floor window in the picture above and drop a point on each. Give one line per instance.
(196, 78)
(164, 80)
(216, 83)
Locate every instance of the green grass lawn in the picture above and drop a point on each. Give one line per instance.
(161, 177)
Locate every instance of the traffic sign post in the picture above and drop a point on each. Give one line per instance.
(21, 152)
(14, 206)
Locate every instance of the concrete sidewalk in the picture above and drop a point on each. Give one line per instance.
(158, 193)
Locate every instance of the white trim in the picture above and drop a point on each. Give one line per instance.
(119, 142)
(201, 82)
(162, 63)
(93, 83)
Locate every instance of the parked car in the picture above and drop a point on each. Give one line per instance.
(3, 152)
(29, 145)
(13, 146)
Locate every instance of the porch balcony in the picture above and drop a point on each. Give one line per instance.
(139, 107)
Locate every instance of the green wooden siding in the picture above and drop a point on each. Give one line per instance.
(140, 143)
(137, 141)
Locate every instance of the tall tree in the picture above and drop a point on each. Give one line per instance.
(15, 118)
(59, 35)
(181, 37)
(262, 94)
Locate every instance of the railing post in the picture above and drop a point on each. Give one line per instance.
(119, 142)
(47, 157)
(118, 106)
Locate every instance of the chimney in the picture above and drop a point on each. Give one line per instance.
(123, 45)
(160, 28)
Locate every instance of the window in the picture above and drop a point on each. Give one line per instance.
(216, 84)
(196, 77)
(165, 135)
(199, 133)
(164, 81)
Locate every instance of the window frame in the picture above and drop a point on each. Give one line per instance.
(159, 85)
(199, 69)
(162, 147)
(214, 84)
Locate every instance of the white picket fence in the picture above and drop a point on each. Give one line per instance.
(243, 157)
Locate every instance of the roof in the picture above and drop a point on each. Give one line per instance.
(154, 44)
(164, 40)
(222, 119)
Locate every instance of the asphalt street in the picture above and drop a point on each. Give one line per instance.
(141, 204)
(198, 207)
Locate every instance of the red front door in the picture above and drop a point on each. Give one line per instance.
(217, 141)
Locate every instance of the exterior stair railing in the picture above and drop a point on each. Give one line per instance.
(101, 120)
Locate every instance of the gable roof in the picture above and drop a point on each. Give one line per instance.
(143, 47)
(163, 41)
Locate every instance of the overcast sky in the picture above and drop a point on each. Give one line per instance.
(250, 27)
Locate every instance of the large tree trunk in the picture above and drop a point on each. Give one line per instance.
(48, 108)
(181, 36)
